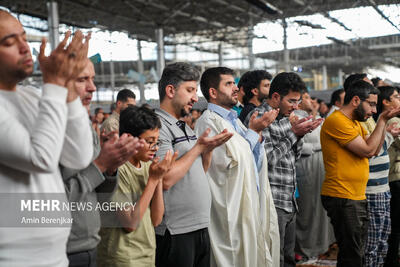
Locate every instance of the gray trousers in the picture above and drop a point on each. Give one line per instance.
(287, 232)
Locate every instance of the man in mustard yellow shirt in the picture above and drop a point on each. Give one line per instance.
(346, 149)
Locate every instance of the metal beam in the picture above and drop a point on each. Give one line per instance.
(54, 35)
(160, 51)
(372, 2)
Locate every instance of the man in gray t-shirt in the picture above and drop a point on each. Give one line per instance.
(187, 195)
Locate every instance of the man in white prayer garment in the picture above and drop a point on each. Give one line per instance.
(244, 226)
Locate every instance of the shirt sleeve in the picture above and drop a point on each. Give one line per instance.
(342, 131)
(282, 147)
(38, 150)
(77, 150)
(165, 140)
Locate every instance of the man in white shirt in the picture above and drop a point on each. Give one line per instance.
(37, 132)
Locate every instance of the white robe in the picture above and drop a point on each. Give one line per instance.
(243, 223)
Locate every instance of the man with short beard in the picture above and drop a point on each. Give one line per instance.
(38, 131)
(346, 149)
(182, 237)
(82, 185)
(256, 90)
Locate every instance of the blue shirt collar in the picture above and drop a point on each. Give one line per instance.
(223, 112)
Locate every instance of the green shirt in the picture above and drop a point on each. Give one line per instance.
(137, 248)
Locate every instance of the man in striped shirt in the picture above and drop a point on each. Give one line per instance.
(377, 192)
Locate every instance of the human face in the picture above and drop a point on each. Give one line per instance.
(289, 103)
(148, 151)
(263, 90)
(84, 84)
(184, 98)
(15, 56)
(339, 105)
(306, 103)
(394, 100)
(100, 116)
(366, 108)
(227, 92)
(130, 101)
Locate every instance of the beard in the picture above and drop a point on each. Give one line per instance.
(261, 97)
(359, 113)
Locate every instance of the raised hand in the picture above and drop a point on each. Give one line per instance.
(258, 124)
(207, 144)
(158, 169)
(300, 127)
(388, 114)
(116, 151)
(393, 129)
(64, 63)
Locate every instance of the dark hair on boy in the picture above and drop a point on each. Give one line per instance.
(252, 81)
(359, 88)
(136, 120)
(285, 82)
(211, 79)
(176, 73)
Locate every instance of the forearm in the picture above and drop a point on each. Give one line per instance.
(130, 219)
(77, 150)
(180, 167)
(375, 140)
(157, 205)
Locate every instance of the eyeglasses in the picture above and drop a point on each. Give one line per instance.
(152, 145)
(294, 102)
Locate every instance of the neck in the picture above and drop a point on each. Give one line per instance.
(8, 86)
(166, 106)
(347, 111)
(255, 101)
(135, 162)
(272, 104)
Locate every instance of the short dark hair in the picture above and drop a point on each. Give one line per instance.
(211, 79)
(384, 93)
(136, 120)
(285, 82)
(252, 81)
(375, 81)
(124, 94)
(359, 88)
(243, 79)
(97, 110)
(176, 73)
(352, 78)
(336, 96)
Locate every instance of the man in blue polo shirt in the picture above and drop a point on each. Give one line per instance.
(182, 237)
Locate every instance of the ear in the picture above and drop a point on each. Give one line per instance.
(254, 91)
(213, 93)
(276, 97)
(356, 101)
(170, 91)
(386, 102)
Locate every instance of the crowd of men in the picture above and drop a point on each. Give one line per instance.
(258, 177)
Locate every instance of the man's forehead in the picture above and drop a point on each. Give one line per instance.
(227, 77)
(372, 97)
(9, 26)
(88, 70)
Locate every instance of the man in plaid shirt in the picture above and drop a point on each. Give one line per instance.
(283, 145)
